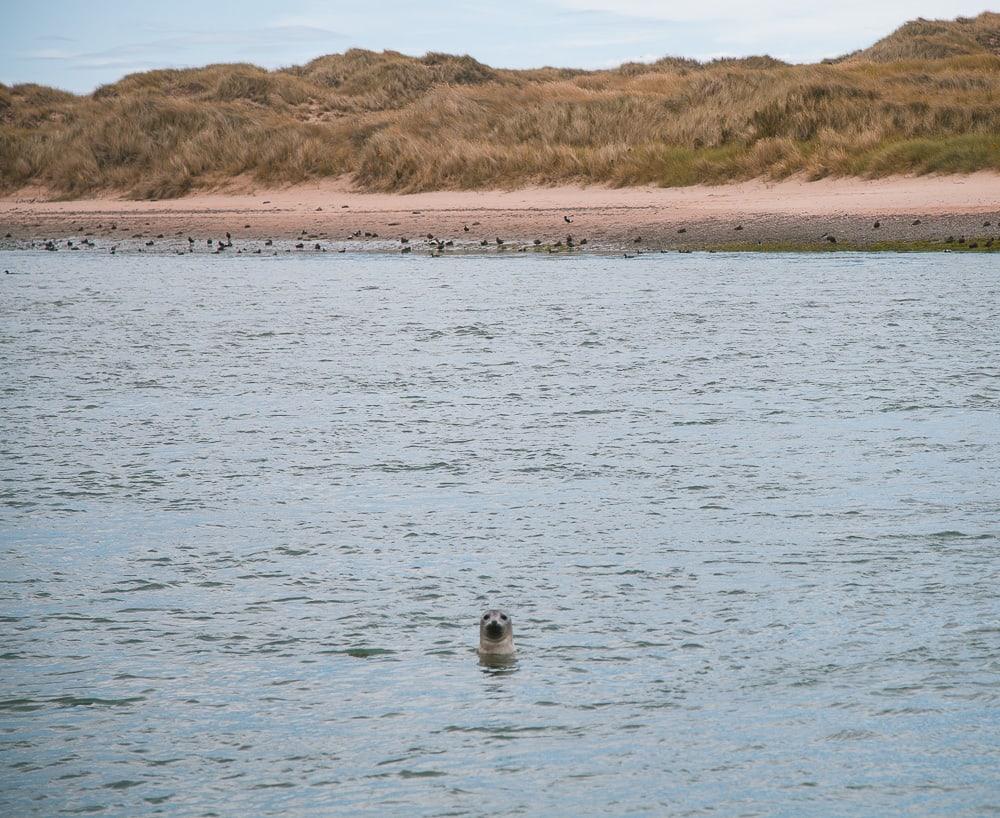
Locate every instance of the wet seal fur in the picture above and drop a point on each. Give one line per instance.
(496, 634)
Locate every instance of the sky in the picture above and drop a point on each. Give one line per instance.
(81, 44)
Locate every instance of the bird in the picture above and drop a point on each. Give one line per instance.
(499, 242)
(568, 219)
(916, 222)
(738, 227)
(683, 230)
(877, 225)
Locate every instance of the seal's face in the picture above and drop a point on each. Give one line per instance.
(496, 633)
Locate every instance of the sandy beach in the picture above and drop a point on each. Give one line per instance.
(331, 215)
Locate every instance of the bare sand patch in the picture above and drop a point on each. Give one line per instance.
(793, 210)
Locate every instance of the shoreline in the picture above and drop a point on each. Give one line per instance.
(911, 213)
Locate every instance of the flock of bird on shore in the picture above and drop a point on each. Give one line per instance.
(435, 245)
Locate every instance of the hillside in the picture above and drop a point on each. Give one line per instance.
(924, 99)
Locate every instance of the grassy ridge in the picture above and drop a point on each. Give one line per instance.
(925, 99)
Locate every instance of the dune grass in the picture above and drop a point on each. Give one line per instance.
(926, 99)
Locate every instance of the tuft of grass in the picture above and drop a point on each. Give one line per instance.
(970, 245)
(923, 100)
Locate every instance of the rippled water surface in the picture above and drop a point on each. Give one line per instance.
(744, 511)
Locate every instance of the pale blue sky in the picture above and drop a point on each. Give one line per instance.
(80, 44)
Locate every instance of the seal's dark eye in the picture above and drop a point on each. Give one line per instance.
(485, 617)
(503, 617)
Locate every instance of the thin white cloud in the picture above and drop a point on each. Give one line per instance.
(735, 12)
(803, 31)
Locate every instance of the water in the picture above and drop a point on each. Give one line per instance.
(744, 512)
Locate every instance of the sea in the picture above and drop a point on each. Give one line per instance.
(743, 510)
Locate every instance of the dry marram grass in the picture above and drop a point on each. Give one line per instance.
(925, 99)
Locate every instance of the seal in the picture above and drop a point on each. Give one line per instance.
(496, 634)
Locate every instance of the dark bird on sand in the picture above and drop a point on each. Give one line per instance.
(537, 242)
(877, 225)
(831, 239)
(738, 227)
(499, 241)
(568, 219)
(916, 222)
(683, 230)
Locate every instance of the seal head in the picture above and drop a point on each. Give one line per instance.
(496, 634)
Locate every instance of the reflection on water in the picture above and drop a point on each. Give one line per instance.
(744, 511)
(494, 664)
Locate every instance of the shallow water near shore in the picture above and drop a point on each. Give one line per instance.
(744, 511)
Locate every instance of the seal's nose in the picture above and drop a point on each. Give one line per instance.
(494, 630)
